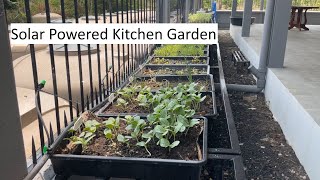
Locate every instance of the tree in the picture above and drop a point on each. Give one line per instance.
(10, 4)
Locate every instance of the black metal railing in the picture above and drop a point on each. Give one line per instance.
(114, 63)
(105, 69)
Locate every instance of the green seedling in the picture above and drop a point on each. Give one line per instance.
(124, 139)
(200, 18)
(83, 141)
(128, 93)
(121, 103)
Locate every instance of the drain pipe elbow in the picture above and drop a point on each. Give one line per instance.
(260, 74)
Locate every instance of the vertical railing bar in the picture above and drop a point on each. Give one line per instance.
(53, 71)
(142, 21)
(112, 51)
(123, 53)
(66, 54)
(77, 109)
(128, 46)
(118, 47)
(105, 54)
(98, 50)
(65, 120)
(88, 103)
(51, 133)
(89, 55)
(34, 152)
(76, 14)
(35, 74)
(139, 45)
(132, 56)
(135, 45)
(95, 95)
(146, 21)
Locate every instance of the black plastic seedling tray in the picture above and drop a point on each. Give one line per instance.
(175, 60)
(204, 68)
(102, 113)
(66, 165)
(224, 167)
(205, 53)
(175, 80)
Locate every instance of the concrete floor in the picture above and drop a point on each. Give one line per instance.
(301, 74)
(292, 92)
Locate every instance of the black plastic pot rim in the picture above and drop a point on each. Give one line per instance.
(172, 58)
(176, 66)
(131, 159)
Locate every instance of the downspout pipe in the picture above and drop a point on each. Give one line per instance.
(261, 72)
(261, 81)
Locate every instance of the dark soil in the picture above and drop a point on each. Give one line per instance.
(264, 148)
(177, 61)
(172, 71)
(157, 84)
(218, 170)
(188, 149)
(206, 107)
(218, 127)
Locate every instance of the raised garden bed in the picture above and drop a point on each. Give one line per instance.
(140, 157)
(135, 100)
(155, 70)
(183, 50)
(179, 60)
(155, 83)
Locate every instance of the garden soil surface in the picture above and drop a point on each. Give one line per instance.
(190, 147)
(265, 152)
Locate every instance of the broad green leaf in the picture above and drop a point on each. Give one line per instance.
(129, 127)
(194, 122)
(108, 133)
(120, 138)
(159, 129)
(87, 140)
(82, 134)
(88, 134)
(142, 143)
(122, 101)
(164, 142)
(177, 127)
(147, 135)
(174, 144)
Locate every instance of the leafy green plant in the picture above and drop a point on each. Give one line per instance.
(180, 50)
(83, 141)
(200, 18)
(128, 93)
(122, 103)
(112, 125)
(88, 132)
